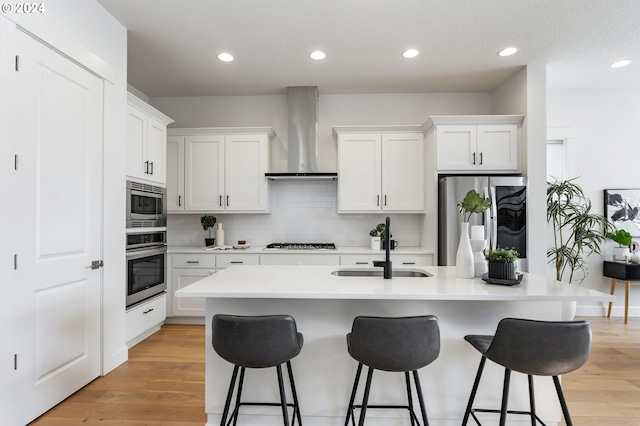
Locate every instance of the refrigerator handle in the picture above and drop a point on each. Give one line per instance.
(494, 218)
(487, 218)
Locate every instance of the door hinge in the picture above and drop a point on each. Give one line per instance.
(17, 63)
(15, 261)
(15, 361)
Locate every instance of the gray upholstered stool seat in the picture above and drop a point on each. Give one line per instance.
(257, 342)
(400, 344)
(535, 348)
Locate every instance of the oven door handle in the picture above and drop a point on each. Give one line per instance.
(147, 251)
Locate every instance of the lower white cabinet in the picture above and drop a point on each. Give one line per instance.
(398, 260)
(185, 270)
(144, 319)
(300, 259)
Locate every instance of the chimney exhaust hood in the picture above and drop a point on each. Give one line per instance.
(302, 156)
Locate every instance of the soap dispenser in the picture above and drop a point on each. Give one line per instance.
(220, 235)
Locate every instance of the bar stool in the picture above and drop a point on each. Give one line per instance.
(402, 344)
(535, 348)
(257, 342)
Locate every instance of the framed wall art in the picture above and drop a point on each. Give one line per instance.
(622, 209)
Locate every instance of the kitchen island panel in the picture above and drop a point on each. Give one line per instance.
(324, 371)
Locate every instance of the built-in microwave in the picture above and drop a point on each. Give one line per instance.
(146, 265)
(146, 205)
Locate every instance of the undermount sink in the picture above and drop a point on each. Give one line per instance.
(362, 272)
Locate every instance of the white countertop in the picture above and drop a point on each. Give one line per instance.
(262, 250)
(317, 282)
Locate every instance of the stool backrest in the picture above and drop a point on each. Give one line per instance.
(256, 341)
(395, 344)
(542, 348)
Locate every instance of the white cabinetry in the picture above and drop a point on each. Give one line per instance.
(218, 169)
(145, 319)
(146, 141)
(185, 269)
(476, 143)
(398, 260)
(380, 169)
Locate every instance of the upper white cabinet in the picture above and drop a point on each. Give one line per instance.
(146, 141)
(217, 169)
(487, 143)
(380, 169)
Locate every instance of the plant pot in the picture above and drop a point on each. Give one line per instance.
(209, 242)
(621, 254)
(375, 243)
(502, 271)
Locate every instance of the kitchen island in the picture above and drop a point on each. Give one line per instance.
(324, 306)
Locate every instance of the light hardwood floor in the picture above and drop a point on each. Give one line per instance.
(162, 384)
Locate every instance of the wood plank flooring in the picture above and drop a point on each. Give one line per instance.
(162, 384)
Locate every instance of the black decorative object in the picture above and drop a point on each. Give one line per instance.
(622, 209)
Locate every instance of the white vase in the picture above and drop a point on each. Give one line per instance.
(375, 243)
(480, 266)
(464, 255)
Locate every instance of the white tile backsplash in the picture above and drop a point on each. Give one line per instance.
(301, 211)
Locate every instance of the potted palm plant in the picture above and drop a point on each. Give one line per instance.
(208, 222)
(623, 238)
(577, 232)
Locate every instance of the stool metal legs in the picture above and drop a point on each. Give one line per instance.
(227, 419)
(470, 411)
(365, 399)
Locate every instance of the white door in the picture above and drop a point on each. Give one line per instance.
(245, 166)
(204, 173)
(175, 173)
(59, 195)
(156, 150)
(359, 168)
(403, 172)
(456, 147)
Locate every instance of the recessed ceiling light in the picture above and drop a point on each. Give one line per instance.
(508, 51)
(317, 55)
(225, 57)
(621, 63)
(410, 53)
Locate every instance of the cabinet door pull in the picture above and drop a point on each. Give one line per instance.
(408, 263)
(227, 201)
(474, 159)
(151, 164)
(193, 261)
(481, 159)
(362, 263)
(220, 201)
(236, 261)
(147, 311)
(378, 201)
(385, 199)
(179, 200)
(146, 167)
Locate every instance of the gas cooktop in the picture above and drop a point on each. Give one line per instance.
(301, 246)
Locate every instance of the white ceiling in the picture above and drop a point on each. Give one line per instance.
(173, 45)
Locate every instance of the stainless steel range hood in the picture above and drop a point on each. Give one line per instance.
(302, 155)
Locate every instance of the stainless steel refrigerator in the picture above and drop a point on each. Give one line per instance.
(505, 221)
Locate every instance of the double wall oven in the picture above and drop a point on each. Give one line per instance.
(146, 250)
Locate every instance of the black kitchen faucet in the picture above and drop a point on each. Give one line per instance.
(386, 264)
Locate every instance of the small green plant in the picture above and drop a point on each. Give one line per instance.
(500, 255)
(379, 231)
(208, 222)
(473, 203)
(622, 237)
